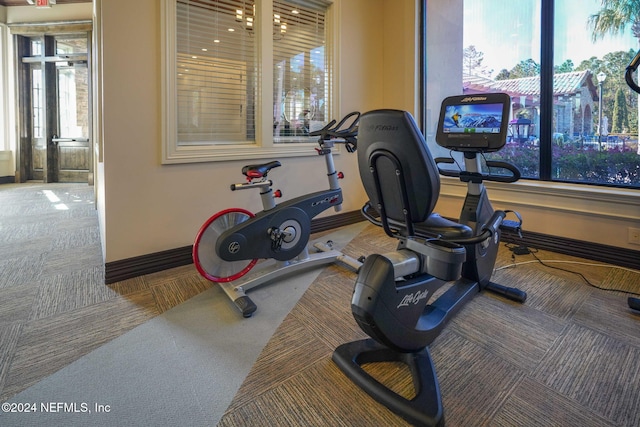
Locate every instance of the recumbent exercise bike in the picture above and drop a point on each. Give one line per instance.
(392, 291)
(230, 243)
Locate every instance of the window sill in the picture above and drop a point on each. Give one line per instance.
(200, 154)
(615, 203)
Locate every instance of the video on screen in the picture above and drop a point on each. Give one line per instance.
(474, 118)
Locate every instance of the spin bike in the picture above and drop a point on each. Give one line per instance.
(392, 293)
(634, 303)
(230, 243)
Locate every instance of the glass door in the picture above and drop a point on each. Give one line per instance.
(72, 152)
(55, 109)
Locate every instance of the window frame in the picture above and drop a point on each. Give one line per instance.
(545, 166)
(264, 145)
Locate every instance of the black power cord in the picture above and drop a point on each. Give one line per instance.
(521, 249)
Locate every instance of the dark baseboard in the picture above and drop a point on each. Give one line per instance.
(124, 269)
(152, 263)
(335, 221)
(7, 179)
(593, 251)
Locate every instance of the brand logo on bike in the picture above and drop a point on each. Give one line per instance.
(474, 98)
(413, 298)
(331, 200)
(383, 128)
(234, 247)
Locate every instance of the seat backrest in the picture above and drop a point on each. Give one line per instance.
(396, 167)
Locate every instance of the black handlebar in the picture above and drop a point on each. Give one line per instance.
(631, 68)
(324, 131)
(350, 131)
(477, 177)
(348, 134)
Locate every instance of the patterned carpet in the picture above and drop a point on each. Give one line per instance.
(570, 356)
(54, 306)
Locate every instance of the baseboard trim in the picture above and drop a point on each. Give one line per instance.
(7, 179)
(592, 251)
(117, 271)
(129, 268)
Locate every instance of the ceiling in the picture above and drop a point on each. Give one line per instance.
(26, 3)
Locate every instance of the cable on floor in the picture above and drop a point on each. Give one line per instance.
(520, 249)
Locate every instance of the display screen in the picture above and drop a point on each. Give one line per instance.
(472, 118)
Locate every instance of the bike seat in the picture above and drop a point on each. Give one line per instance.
(260, 170)
(434, 226)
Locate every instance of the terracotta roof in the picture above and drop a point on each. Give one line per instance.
(563, 84)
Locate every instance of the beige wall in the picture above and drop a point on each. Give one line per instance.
(147, 207)
(60, 12)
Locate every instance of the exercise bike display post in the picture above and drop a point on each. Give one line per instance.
(391, 296)
(634, 303)
(230, 243)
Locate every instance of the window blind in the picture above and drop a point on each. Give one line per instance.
(301, 70)
(216, 71)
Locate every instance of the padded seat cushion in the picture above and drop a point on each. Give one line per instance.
(434, 226)
(448, 230)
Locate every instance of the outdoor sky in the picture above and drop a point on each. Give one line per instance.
(508, 32)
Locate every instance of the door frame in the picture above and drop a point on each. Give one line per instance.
(22, 39)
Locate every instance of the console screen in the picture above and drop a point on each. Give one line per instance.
(473, 118)
(475, 123)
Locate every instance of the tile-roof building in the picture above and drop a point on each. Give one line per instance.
(574, 98)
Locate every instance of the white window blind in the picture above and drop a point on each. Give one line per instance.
(242, 76)
(216, 72)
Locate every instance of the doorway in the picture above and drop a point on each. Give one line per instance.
(55, 108)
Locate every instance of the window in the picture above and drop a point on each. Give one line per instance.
(573, 118)
(244, 78)
(300, 75)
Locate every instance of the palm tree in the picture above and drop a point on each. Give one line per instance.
(614, 17)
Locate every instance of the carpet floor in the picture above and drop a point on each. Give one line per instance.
(169, 349)
(569, 356)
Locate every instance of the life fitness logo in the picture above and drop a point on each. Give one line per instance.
(413, 298)
(234, 247)
(331, 200)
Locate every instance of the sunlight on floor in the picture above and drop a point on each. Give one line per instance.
(55, 199)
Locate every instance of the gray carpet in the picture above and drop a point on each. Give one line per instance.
(180, 368)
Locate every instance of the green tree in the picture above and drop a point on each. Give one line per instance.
(566, 67)
(613, 65)
(471, 58)
(503, 75)
(526, 68)
(620, 119)
(594, 64)
(613, 18)
(472, 61)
